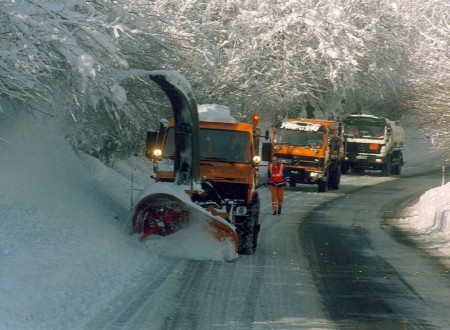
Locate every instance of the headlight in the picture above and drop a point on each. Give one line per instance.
(379, 160)
(157, 152)
(256, 159)
(241, 210)
(315, 174)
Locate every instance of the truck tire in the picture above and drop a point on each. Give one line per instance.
(397, 169)
(292, 183)
(247, 229)
(344, 168)
(387, 167)
(334, 177)
(358, 170)
(323, 184)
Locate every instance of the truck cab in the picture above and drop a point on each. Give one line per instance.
(227, 155)
(373, 143)
(311, 149)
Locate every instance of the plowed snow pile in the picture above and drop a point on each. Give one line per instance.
(64, 246)
(430, 217)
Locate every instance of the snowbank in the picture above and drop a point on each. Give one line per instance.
(65, 250)
(430, 217)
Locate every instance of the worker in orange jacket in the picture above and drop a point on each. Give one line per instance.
(278, 176)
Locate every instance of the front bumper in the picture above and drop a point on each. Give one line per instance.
(374, 162)
(308, 176)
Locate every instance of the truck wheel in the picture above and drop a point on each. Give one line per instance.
(387, 168)
(397, 170)
(292, 183)
(400, 164)
(335, 178)
(344, 168)
(247, 229)
(323, 185)
(248, 236)
(358, 170)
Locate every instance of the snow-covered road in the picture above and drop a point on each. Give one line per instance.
(67, 261)
(285, 284)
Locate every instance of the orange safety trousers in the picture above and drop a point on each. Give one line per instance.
(277, 197)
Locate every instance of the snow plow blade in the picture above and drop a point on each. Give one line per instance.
(164, 214)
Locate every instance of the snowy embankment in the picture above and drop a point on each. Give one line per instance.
(429, 218)
(65, 248)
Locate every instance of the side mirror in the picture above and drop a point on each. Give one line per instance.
(267, 135)
(266, 151)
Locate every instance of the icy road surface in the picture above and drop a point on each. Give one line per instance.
(329, 261)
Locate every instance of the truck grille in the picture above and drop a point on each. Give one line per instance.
(356, 147)
(231, 190)
(305, 161)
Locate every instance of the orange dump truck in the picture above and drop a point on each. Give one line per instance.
(312, 149)
(228, 152)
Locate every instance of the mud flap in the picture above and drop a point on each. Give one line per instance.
(164, 214)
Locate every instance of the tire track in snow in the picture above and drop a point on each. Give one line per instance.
(187, 298)
(251, 298)
(124, 306)
(207, 287)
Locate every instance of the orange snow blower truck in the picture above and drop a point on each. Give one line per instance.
(168, 207)
(228, 152)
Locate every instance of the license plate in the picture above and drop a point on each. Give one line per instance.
(361, 157)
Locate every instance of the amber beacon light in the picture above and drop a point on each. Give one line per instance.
(255, 119)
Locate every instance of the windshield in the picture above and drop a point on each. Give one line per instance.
(217, 145)
(364, 129)
(298, 138)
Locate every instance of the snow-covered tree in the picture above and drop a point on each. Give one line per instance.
(67, 59)
(428, 97)
(84, 62)
(283, 57)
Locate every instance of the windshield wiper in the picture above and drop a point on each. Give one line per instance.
(212, 158)
(221, 159)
